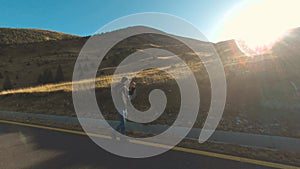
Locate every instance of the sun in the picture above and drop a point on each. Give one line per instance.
(257, 25)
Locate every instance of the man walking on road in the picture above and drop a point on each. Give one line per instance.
(122, 99)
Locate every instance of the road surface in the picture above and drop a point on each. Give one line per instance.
(277, 143)
(24, 147)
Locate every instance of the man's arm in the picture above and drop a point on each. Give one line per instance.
(133, 94)
(125, 95)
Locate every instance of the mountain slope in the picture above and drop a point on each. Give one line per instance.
(18, 36)
(261, 90)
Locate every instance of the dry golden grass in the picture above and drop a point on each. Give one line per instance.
(100, 82)
(106, 80)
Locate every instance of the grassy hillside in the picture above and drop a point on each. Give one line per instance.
(18, 36)
(261, 90)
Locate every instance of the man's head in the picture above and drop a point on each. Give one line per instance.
(125, 81)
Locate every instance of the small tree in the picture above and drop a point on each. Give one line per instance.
(59, 74)
(40, 79)
(47, 76)
(7, 83)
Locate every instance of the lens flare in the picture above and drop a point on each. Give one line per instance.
(258, 25)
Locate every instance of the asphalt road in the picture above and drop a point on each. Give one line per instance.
(29, 148)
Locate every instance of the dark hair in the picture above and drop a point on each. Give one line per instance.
(124, 79)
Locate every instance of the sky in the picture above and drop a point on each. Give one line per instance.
(86, 17)
(256, 23)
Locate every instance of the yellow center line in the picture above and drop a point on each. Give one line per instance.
(181, 149)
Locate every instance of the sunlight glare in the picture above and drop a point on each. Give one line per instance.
(257, 25)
